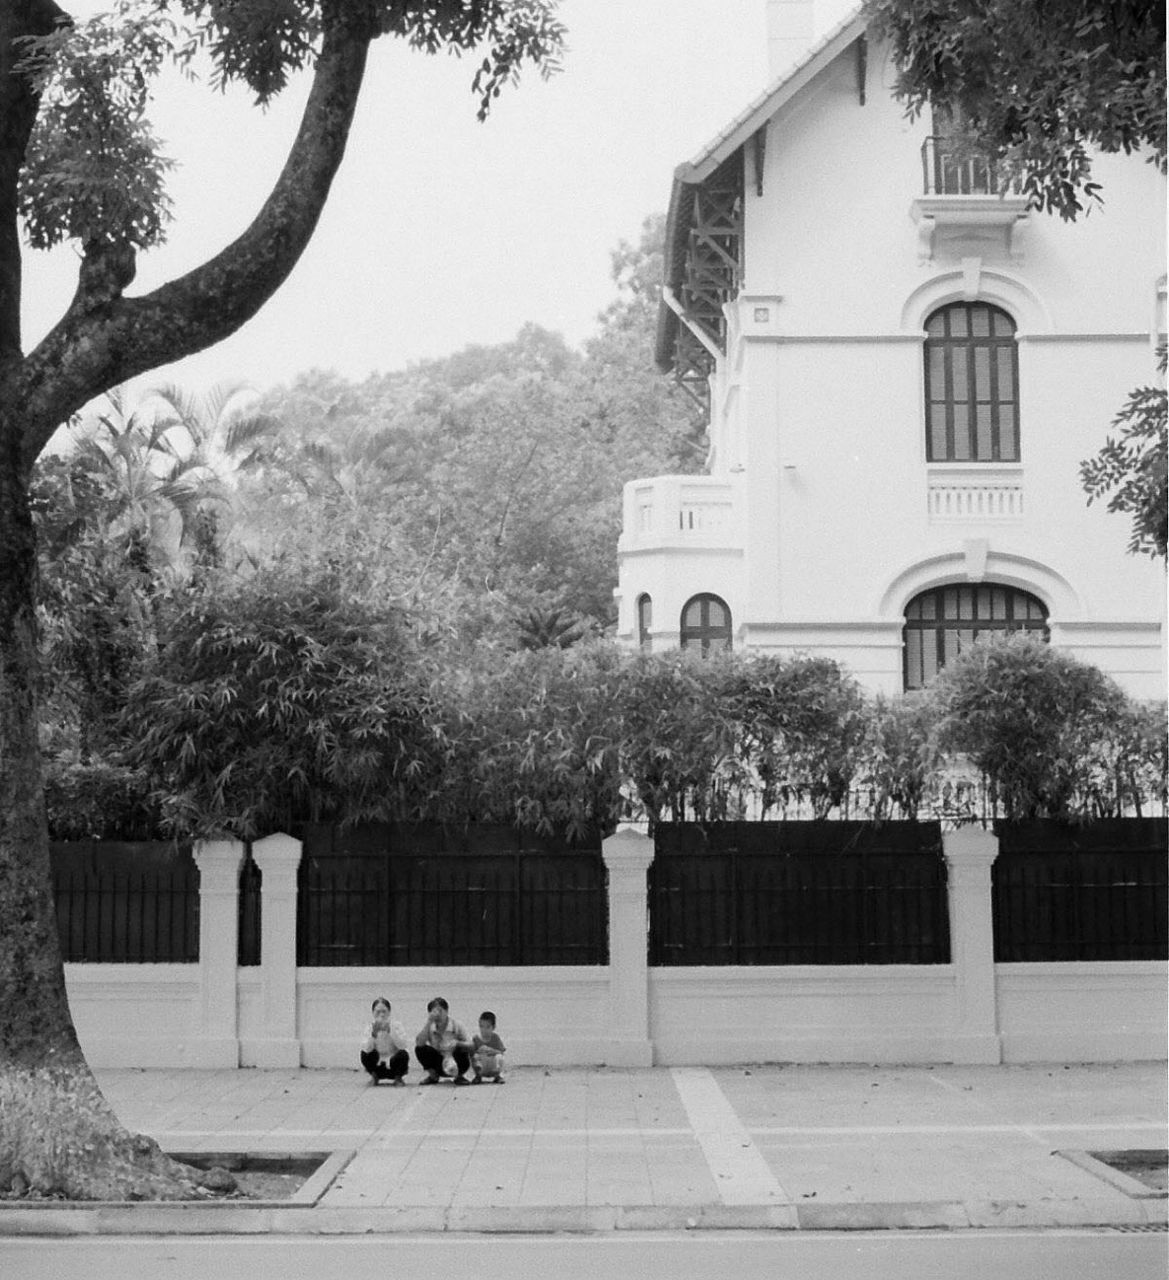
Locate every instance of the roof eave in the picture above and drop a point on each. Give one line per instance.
(726, 143)
(773, 99)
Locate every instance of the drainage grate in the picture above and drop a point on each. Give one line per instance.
(1130, 1228)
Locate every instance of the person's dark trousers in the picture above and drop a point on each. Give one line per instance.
(431, 1059)
(398, 1065)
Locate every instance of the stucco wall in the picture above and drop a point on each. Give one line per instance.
(818, 407)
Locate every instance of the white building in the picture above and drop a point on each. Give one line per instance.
(903, 373)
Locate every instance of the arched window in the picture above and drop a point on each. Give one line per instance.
(706, 624)
(939, 623)
(971, 384)
(645, 618)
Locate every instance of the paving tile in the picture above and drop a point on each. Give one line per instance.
(599, 1148)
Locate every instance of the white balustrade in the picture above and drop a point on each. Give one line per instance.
(975, 501)
(673, 508)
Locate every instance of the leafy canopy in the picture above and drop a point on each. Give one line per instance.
(1133, 466)
(1037, 83)
(94, 171)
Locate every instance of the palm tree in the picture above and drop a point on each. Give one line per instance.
(167, 463)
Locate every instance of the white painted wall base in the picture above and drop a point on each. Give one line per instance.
(812, 1013)
(1083, 1012)
(270, 1054)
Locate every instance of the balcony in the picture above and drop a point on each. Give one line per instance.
(949, 172)
(963, 210)
(681, 511)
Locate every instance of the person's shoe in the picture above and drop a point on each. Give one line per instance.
(461, 1080)
(373, 1080)
(499, 1079)
(397, 1082)
(478, 1079)
(431, 1077)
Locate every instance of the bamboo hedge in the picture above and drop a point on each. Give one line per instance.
(308, 707)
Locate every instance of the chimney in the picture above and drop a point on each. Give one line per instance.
(790, 33)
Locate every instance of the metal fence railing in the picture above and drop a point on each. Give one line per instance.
(798, 893)
(393, 896)
(1099, 892)
(126, 902)
(723, 893)
(949, 170)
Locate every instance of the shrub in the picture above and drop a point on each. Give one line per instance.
(529, 738)
(801, 726)
(277, 700)
(717, 738)
(99, 801)
(678, 738)
(901, 757)
(1032, 719)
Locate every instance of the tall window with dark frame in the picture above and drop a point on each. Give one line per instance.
(971, 384)
(706, 624)
(941, 622)
(645, 618)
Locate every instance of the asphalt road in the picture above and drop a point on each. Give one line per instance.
(1047, 1255)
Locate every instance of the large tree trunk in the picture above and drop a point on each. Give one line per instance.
(59, 1136)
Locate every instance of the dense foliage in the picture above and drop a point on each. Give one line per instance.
(279, 702)
(492, 478)
(1132, 468)
(1052, 736)
(276, 699)
(1038, 85)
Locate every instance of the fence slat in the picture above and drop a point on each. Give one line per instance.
(1096, 892)
(798, 893)
(126, 902)
(426, 895)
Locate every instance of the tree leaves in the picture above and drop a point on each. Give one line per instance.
(93, 170)
(1037, 84)
(1054, 737)
(1134, 468)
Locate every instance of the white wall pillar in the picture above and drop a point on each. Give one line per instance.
(219, 863)
(627, 856)
(970, 853)
(278, 857)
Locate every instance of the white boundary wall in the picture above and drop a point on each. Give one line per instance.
(214, 1014)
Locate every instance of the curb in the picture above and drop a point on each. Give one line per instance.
(283, 1218)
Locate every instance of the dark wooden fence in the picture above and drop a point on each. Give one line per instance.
(1097, 892)
(798, 893)
(250, 909)
(728, 893)
(132, 902)
(431, 895)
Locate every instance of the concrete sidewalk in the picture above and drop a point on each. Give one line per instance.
(593, 1149)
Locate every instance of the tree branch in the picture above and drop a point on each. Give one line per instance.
(104, 339)
(18, 111)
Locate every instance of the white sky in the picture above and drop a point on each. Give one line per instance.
(442, 231)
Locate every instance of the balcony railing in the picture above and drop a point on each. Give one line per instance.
(971, 500)
(680, 511)
(952, 171)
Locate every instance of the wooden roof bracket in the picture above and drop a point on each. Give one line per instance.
(679, 310)
(862, 67)
(759, 151)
